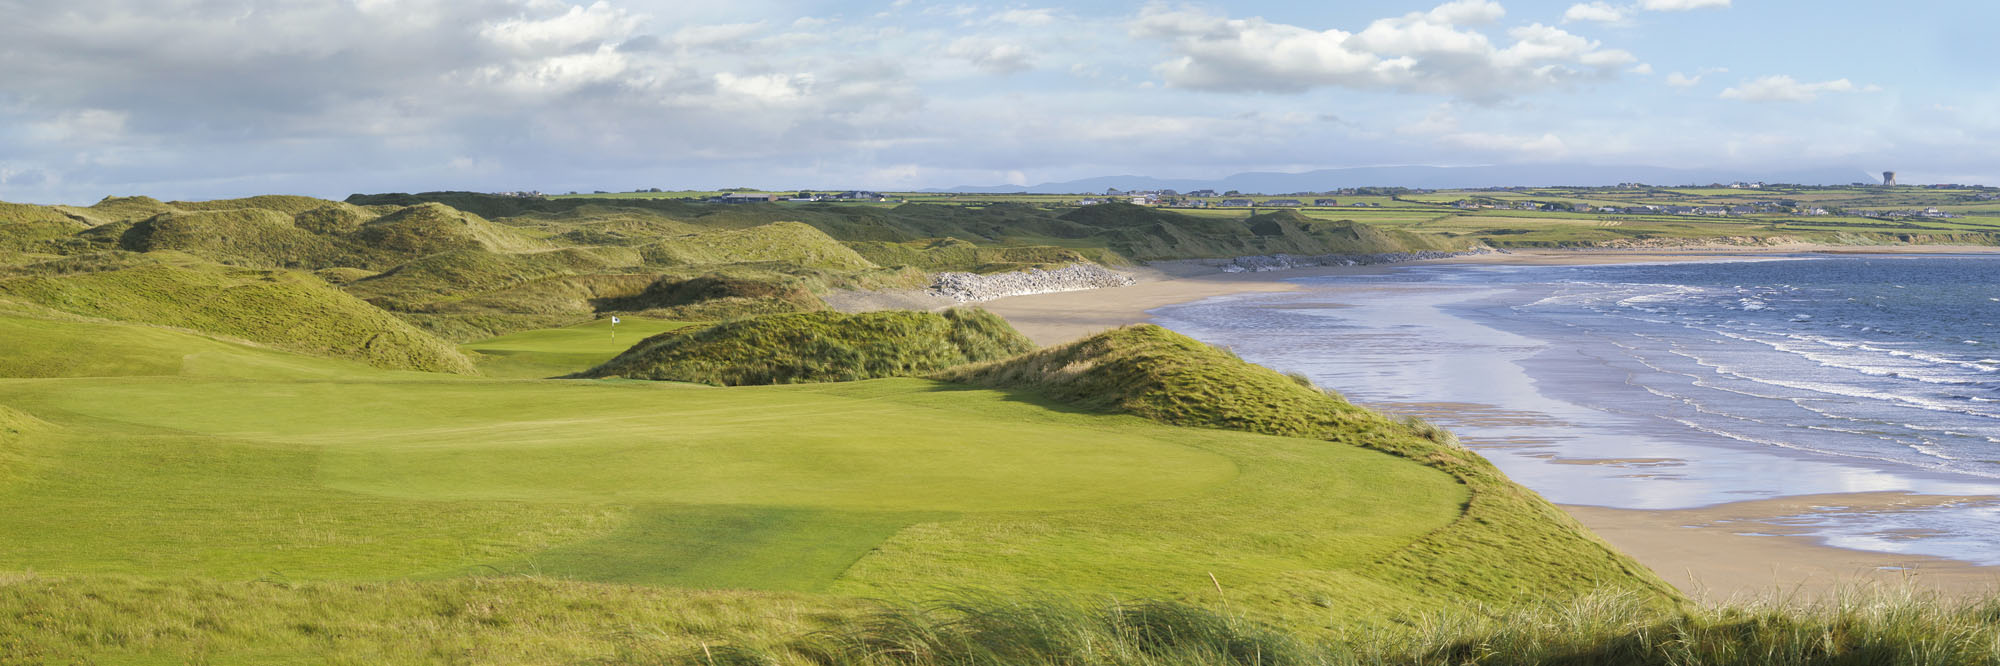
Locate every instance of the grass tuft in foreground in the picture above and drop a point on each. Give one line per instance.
(1886, 628)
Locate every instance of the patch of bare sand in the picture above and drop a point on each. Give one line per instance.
(1747, 550)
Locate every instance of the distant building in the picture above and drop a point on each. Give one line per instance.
(1202, 193)
(1326, 203)
(1238, 203)
(1283, 203)
(745, 197)
(1888, 179)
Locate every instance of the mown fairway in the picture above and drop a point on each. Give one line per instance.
(551, 352)
(174, 455)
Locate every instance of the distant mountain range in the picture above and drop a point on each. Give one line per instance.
(1439, 178)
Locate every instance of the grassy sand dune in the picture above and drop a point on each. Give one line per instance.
(1508, 544)
(819, 347)
(281, 308)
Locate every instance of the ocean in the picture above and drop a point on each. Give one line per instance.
(1680, 385)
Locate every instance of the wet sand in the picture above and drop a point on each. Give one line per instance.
(1739, 550)
(1744, 551)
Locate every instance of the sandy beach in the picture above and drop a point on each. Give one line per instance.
(1737, 550)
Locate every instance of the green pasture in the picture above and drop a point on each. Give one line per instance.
(552, 352)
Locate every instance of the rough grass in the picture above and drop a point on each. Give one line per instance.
(951, 254)
(1879, 628)
(712, 297)
(819, 347)
(1164, 376)
(427, 229)
(280, 308)
(788, 243)
(130, 620)
(1147, 233)
(514, 620)
(254, 237)
(450, 276)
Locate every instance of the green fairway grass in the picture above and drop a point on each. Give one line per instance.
(260, 463)
(553, 352)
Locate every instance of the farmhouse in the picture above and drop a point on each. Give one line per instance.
(1237, 203)
(1287, 203)
(1326, 203)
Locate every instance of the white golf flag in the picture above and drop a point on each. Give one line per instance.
(614, 321)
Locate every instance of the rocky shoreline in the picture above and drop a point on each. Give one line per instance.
(973, 287)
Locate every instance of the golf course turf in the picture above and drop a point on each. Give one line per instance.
(240, 462)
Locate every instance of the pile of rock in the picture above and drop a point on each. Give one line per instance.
(1279, 262)
(973, 288)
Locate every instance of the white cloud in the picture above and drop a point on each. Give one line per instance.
(557, 75)
(764, 88)
(1680, 5)
(1782, 88)
(719, 35)
(1467, 12)
(1680, 80)
(1027, 18)
(1418, 52)
(83, 126)
(1598, 12)
(992, 55)
(1442, 127)
(579, 26)
(1642, 69)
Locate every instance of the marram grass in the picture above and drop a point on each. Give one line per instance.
(1881, 627)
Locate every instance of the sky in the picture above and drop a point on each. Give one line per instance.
(202, 99)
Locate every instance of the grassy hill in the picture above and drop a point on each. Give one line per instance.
(280, 308)
(243, 236)
(819, 347)
(789, 243)
(427, 229)
(1508, 544)
(951, 254)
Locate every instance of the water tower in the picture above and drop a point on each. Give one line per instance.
(1888, 179)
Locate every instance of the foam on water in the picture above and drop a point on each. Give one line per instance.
(1770, 378)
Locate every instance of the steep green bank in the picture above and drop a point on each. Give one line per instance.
(284, 309)
(1509, 544)
(819, 347)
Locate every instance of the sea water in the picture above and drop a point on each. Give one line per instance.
(1678, 385)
